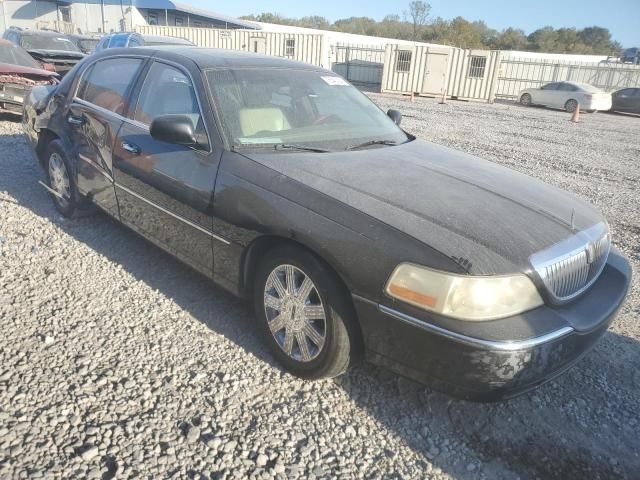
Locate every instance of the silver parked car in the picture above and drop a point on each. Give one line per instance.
(567, 95)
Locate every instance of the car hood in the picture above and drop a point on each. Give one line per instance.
(487, 218)
(10, 69)
(56, 54)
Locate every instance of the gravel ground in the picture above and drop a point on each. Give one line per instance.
(117, 361)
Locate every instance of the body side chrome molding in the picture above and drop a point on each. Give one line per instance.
(96, 166)
(177, 217)
(507, 346)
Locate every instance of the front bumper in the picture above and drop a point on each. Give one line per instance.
(496, 359)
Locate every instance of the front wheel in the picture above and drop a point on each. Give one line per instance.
(304, 313)
(525, 100)
(571, 105)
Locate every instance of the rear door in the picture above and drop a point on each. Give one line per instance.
(544, 96)
(94, 118)
(165, 190)
(565, 92)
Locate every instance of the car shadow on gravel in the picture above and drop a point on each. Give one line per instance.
(582, 425)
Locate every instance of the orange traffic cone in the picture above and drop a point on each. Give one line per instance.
(575, 116)
(444, 97)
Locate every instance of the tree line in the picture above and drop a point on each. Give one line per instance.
(416, 24)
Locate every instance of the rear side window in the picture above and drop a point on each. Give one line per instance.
(106, 83)
(567, 87)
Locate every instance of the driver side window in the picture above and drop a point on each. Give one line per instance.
(168, 91)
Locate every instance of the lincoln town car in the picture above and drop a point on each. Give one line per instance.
(287, 186)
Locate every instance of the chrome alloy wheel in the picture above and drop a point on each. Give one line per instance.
(59, 178)
(295, 313)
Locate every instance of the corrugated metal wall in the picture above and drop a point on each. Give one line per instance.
(307, 48)
(462, 85)
(406, 77)
(516, 74)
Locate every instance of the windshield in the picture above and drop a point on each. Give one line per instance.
(47, 42)
(268, 107)
(118, 41)
(16, 56)
(88, 44)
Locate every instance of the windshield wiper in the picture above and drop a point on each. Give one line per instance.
(292, 146)
(372, 142)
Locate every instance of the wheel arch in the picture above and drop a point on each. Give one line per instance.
(45, 137)
(259, 247)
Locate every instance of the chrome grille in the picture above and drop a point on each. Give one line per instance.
(568, 268)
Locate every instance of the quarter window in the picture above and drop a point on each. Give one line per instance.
(106, 83)
(290, 47)
(477, 66)
(403, 60)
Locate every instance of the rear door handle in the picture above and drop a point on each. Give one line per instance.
(75, 120)
(131, 148)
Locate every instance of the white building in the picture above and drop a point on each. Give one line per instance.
(91, 16)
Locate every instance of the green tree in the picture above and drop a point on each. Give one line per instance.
(418, 14)
(511, 39)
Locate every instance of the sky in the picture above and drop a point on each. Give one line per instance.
(621, 17)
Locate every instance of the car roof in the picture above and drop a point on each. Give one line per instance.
(216, 57)
(167, 38)
(45, 33)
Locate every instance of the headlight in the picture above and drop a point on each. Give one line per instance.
(462, 296)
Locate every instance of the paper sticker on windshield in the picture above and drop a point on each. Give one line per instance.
(331, 80)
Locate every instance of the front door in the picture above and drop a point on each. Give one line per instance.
(435, 75)
(95, 116)
(258, 45)
(165, 190)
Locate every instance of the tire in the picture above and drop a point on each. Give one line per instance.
(525, 100)
(280, 284)
(60, 179)
(571, 105)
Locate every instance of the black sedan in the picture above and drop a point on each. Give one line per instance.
(626, 100)
(284, 184)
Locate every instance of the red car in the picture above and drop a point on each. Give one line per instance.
(19, 72)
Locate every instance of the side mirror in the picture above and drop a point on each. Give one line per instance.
(176, 129)
(395, 115)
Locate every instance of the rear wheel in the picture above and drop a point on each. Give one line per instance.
(571, 105)
(525, 100)
(60, 180)
(304, 313)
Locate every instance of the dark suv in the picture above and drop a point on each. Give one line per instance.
(46, 46)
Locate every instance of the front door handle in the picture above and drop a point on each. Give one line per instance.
(131, 148)
(75, 120)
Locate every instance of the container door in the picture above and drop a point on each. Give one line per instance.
(258, 45)
(435, 74)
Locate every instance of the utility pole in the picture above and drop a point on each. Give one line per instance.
(102, 12)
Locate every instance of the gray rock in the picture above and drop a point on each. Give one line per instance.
(89, 453)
